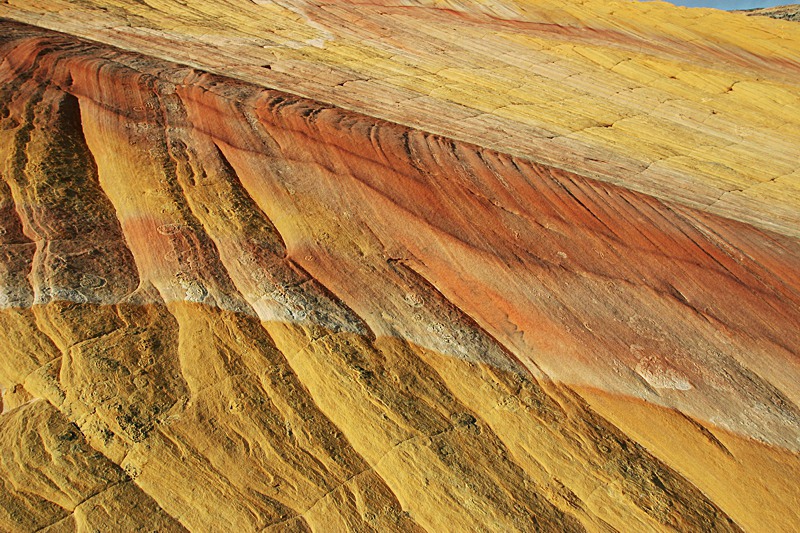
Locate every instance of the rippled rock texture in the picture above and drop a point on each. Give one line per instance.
(230, 308)
(698, 106)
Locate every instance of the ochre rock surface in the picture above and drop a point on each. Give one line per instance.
(694, 105)
(228, 308)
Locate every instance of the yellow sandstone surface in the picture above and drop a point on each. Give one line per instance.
(407, 267)
(694, 105)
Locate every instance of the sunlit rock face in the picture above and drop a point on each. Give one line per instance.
(228, 307)
(789, 12)
(693, 105)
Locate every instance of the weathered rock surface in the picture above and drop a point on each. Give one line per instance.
(788, 12)
(231, 308)
(697, 106)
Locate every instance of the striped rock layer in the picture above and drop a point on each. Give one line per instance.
(226, 307)
(696, 106)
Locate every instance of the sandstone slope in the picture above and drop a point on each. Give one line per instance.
(231, 308)
(695, 105)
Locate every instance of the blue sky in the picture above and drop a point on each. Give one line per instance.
(730, 4)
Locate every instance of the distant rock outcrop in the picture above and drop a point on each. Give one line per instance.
(788, 12)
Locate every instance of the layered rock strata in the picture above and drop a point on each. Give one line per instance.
(229, 308)
(697, 106)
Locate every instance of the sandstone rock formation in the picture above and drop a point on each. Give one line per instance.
(304, 297)
(788, 12)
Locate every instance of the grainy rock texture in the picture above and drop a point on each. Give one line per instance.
(699, 106)
(789, 12)
(229, 308)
